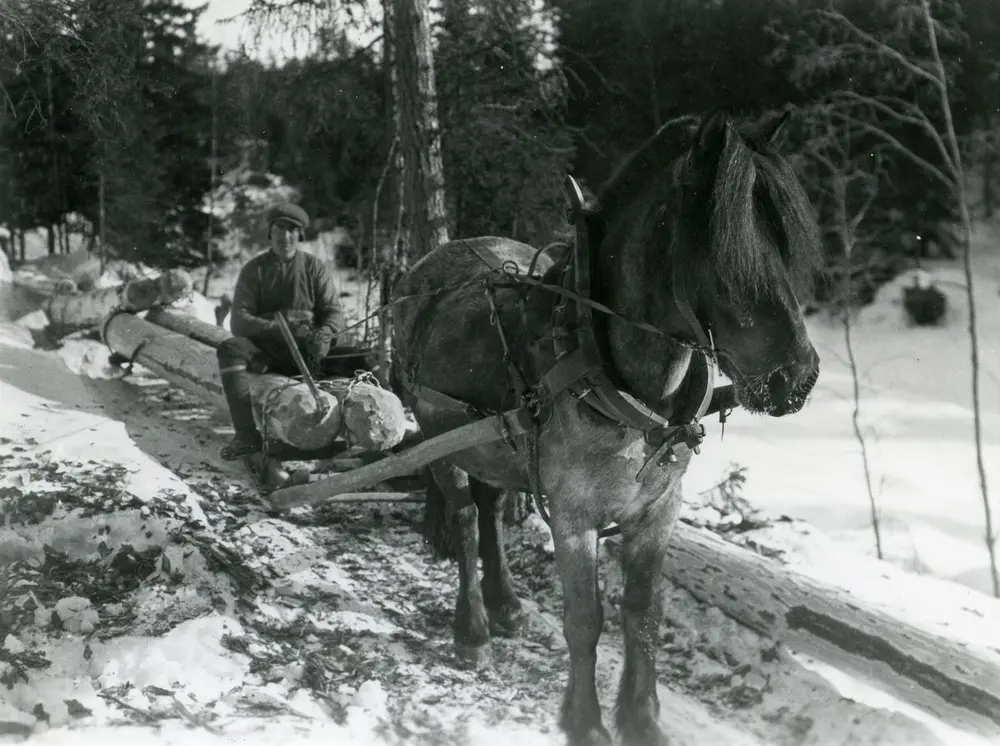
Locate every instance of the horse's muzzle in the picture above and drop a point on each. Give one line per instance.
(787, 389)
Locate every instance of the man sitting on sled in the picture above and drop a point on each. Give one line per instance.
(285, 280)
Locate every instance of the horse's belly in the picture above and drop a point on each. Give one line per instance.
(496, 465)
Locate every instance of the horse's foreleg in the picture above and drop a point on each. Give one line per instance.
(471, 627)
(637, 714)
(576, 556)
(502, 604)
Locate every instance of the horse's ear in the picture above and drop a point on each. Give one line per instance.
(772, 130)
(710, 138)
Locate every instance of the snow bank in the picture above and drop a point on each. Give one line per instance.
(917, 421)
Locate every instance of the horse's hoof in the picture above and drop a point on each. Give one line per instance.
(474, 656)
(506, 623)
(596, 736)
(648, 733)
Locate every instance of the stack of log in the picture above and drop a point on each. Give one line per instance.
(70, 312)
(182, 349)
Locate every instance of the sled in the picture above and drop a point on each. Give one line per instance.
(181, 349)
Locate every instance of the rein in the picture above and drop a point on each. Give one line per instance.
(582, 371)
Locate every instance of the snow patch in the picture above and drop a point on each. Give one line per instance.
(88, 358)
(189, 657)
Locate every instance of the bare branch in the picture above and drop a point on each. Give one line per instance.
(897, 146)
(882, 48)
(963, 206)
(617, 90)
(917, 119)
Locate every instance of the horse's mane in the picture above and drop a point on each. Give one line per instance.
(669, 142)
(754, 190)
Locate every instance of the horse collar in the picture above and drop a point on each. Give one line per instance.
(588, 366)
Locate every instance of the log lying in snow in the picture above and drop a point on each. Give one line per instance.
(70, 313)
(189, 326)
(931, 644)
(189, 364)
(284, 408)
(343, 359)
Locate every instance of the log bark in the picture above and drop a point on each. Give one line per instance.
(877, 623)
(285, 410)
(189, 326)
(170, 355)
(70, 313)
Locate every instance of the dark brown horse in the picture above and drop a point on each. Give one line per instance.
(700, 235)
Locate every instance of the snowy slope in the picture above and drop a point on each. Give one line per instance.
(150, 598)
(916, 416)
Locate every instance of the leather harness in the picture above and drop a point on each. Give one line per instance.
(581, 369)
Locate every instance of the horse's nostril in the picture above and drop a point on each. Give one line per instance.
(778, 387)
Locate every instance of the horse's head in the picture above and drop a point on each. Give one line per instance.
(747, 237)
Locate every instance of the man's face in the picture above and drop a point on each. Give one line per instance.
(284, 237)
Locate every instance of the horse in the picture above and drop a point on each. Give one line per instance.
(699, 242)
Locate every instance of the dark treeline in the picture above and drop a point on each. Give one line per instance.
(113, 108)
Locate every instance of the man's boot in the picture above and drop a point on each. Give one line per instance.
(236, 385)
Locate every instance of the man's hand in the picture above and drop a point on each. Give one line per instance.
(301, 330)
(317, 345)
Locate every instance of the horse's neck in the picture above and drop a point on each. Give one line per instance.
(631, 279)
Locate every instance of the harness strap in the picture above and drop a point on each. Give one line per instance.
(582, 370)
(518, 420)
(583, 259)
(703, 335)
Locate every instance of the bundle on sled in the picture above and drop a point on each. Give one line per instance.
(358, 409)
(354, 411)
(72, 312)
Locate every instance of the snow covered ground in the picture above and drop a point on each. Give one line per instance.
(149, 597)
(916, 415)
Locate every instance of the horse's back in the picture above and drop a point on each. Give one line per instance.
(457, 260)
(452, 270)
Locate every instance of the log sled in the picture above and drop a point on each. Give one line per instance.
(358, 418)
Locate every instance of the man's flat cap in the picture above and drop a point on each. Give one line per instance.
(290, 212)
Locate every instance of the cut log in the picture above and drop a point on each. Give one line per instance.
(876, 622)
(341, 362)
(373, 417)
(284, 409)
(189, 326)
(70, 313)
(175, 357)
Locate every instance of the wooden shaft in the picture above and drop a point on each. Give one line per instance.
(474, 434)
(300, 363)
(379, 497)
